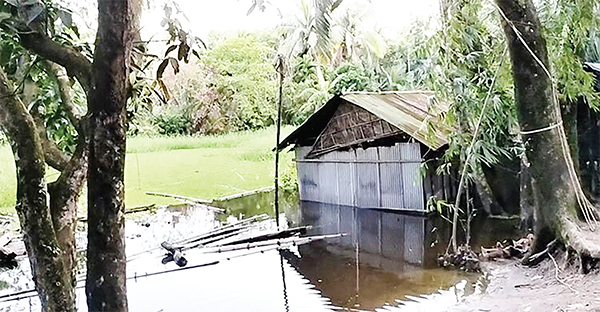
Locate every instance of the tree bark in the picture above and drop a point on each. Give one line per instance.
(526, 197)
(64, 194)
(53, 155)
(537, 110)
(51, 277)
(106, 261)
(66, 93)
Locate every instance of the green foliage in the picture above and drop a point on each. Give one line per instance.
(308, 89)
(245, 78)
(172, 123)
(569, 27)
(352, 77)
(593, 50)
(473, 67)
(288, 177)
(35, 85)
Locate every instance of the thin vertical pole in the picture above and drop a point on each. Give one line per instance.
(280, 70)
(286, 302)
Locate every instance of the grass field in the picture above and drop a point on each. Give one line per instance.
(204, 167)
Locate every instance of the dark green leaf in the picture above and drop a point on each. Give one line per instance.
(196, 53)
(66, 17)
(174, 64)
(170, 49)
(201, 41)
(336, 4)
(134, 65)
(161, 68)
(183, 51)
(147, 64)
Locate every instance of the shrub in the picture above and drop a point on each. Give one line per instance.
(172, 123)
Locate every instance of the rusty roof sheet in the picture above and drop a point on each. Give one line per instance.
(409, 111)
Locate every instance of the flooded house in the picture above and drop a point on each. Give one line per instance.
(367, 165)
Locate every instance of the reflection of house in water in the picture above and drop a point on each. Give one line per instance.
(375, 274)
(386, 239)
(367, 151)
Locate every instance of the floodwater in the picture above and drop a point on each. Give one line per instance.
(381, 265)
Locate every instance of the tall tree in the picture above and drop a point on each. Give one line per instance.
(107, 102)
(48, 226)
(558, 199)
(51, 275)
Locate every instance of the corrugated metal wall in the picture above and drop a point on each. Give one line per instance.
(376, 177)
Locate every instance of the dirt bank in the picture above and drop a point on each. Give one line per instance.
(513, 287)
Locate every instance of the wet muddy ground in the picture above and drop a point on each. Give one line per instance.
(513, 287)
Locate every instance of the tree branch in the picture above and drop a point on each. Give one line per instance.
(66, 93)
(76, 64)
(64, 195)
(53, 155)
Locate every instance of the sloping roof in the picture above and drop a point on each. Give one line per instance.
(409, 111)
(595, 69)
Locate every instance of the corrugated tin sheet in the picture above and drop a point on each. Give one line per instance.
(409, 111)
(376, 177)
(593, 67)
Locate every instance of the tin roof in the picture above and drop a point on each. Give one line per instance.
(594, 68)
(409, 111)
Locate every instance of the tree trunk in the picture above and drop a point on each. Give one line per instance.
(106, 261)
(526, 197)
(537, 109)
(64, 194)
(52, 278)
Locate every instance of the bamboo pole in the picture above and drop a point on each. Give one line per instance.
(246, 193)
(279, 65)
(281, 243)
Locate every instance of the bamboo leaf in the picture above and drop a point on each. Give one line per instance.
(170, 49)
(161, 68)
(174, 64)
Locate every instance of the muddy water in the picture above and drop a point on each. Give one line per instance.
(363, 271)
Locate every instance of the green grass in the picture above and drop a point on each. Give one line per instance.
(8, 184)
(198, 166)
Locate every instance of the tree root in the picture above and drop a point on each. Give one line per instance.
(582, 244)
(534, 259)
(582, 247)
(556, 271)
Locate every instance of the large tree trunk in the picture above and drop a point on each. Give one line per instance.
(556, 190)
(106, 261)
(537, 109)
(52, 278)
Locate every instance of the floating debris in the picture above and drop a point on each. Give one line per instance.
(465, 259)
(246, 234)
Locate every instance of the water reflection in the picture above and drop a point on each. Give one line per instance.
(378, 266)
